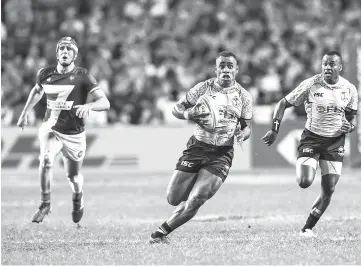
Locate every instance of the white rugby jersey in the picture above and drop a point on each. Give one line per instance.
(325, 104)
(233, 103)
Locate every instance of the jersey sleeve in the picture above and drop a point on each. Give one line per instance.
(247, 109)
(90, 84)
(194, 93)
(353, 103)
(300, 93)
(39, 76)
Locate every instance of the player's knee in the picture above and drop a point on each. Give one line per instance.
(304, 183)
(305, 178)
(306, 171)
(173, 200)
(46, 161)
(73, 177)
(328, 190)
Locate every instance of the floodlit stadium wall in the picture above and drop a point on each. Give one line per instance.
(153, 150)
(128, 149)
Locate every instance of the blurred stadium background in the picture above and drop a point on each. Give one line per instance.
(145, 55)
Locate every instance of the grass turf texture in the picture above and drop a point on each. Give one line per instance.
(253, 219)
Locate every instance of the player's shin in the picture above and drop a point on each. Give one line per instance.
(76, 183)
(323, 200)
(186, 211)
(46, 177)
(328, 185)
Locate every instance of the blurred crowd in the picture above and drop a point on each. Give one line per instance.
(146, 54)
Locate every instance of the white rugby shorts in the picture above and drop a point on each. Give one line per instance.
(52, 142)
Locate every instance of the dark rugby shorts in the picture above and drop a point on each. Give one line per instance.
(215, 159)
(321, 148)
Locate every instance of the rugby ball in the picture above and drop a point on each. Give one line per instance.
(207, 103)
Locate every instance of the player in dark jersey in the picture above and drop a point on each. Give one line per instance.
(331, 104)
(206, 161)
(67, 87)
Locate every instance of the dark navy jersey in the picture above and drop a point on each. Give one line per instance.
(63, 92)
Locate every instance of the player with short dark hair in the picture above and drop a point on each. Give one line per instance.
(67, 87)
(206, 161)
(331, 104)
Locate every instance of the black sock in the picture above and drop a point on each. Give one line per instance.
(311, 222)
(77, 196)
(163, 230)
(45, 197)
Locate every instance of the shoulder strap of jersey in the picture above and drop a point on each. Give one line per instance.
(209, 84)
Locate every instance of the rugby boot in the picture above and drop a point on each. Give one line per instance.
(307, 233)
(78, 208)
(44, 209)
(158, 239)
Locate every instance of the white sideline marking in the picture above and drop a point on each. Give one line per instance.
(142, 240)
(280, 218)
(89, 241)
(16, 181)
(58, 182)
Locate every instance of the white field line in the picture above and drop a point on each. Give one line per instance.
(142, 240)
(70, 241)
(156, 182)
(133, 221)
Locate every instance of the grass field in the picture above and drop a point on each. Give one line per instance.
(253, 219)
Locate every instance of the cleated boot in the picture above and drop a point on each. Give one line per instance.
(307, 233)
(159, 240)
(78, 209)
(44, 209)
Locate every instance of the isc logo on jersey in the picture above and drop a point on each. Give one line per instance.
(59, 105)
(209, 104)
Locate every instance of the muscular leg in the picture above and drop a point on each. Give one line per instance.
(328, 185)
(49, 148)
(75, 178)
(179, 187)
(76, 181)
(205, 187)
(330, 175)
(306, 168)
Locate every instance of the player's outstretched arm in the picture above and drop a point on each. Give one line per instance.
(100, 103)
(35, 96)
(278, 113)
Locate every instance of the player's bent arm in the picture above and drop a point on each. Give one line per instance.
(278, 113)
(350, 115)
(247, 131)
(181, 109)
(100, 101)
(35, 96)
(246, 127)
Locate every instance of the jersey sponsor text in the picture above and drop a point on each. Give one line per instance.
(59, 105)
